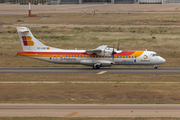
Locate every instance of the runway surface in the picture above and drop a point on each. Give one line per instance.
(108, 70)
(90, 110)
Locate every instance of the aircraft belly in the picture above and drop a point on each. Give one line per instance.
(101, 61)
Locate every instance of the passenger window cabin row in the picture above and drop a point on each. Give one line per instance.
(97, 56)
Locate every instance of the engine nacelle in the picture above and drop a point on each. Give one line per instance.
(103, 50)
(106, 52)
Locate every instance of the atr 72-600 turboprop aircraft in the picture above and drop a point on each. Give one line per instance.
(100, 57)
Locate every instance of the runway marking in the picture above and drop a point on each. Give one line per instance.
(102, 72)
(71, 114)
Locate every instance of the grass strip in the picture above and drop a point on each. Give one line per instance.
(91, 77)
(90, 93)
(86, 118)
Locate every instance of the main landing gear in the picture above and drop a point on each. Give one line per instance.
(96, 66)
(155, 66)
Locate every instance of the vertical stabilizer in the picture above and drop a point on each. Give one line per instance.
(28, 41)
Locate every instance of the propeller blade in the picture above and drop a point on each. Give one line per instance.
(118, 46)
(113, 52)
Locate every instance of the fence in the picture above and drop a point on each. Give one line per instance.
(150, 1)
(69, 1)
(124, 1)
(172, 1)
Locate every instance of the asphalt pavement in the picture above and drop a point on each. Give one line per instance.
(85, 70)
(90, 110)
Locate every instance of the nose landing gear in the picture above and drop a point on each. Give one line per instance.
(155, 66)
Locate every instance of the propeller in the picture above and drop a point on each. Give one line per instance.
(113, 52)
(118, 46)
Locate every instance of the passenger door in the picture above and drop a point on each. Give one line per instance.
(55, 58)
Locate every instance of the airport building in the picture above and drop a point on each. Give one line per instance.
(51, 2)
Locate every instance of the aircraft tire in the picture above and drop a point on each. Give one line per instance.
(155, 66)
(97, 66)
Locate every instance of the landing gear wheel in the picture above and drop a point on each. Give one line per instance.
(155, 66)
(96, 66)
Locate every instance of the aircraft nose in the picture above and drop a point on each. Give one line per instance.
(163, 60)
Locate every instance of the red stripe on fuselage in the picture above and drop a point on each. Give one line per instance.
(125, 53)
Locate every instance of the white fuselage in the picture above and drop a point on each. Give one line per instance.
(81, 57)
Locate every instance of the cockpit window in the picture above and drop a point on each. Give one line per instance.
(155, 55)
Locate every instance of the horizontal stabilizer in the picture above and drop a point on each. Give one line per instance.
(22, 29)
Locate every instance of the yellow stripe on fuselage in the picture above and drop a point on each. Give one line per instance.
(138, 53)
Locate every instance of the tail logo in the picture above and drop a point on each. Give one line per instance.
(27, 41)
